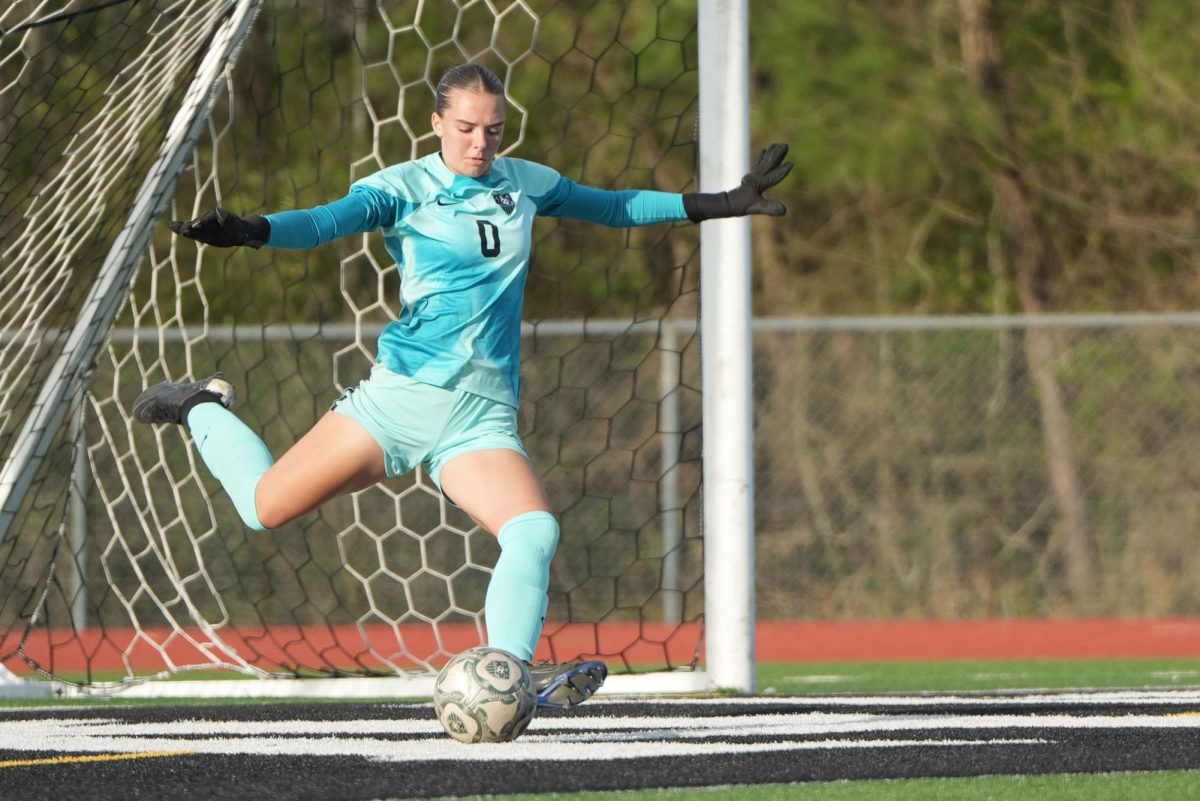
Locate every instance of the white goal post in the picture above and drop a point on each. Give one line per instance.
(103, 521)
(727, 363)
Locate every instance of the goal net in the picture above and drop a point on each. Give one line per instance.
(121, 560)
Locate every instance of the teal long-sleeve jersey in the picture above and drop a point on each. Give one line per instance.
(462, 245)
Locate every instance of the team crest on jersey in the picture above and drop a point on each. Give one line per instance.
(505, 201)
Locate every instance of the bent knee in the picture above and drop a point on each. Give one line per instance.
(271, 508)
(273, 515)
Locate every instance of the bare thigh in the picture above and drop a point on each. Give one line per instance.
(337, 456)
(493, 486)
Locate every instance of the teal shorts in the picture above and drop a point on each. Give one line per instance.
(419, 423)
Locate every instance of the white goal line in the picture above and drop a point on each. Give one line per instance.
(661, 683)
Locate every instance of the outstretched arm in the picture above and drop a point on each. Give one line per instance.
(617, 209)
(362, 210)
(627, 208)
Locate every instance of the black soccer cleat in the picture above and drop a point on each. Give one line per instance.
(566, 685)
(167, 402)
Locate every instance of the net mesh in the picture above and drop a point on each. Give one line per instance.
(145, 568)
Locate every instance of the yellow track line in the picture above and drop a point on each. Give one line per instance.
(68, 760)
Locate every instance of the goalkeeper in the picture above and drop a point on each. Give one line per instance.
(445, 385)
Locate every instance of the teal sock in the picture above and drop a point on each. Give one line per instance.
(234, 454)
(515, 606)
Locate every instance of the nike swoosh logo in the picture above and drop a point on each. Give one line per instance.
(440, 203)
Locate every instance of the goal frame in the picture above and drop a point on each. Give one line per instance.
(727, 360)
(726, 365)
(100, 309)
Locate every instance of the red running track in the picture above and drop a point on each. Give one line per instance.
(370, 648)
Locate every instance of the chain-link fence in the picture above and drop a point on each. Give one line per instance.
(906, 468)
(978, 466)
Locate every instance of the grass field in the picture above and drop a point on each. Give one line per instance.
(870, 677)
(919, 677)
(913, 677)
(1166, 786)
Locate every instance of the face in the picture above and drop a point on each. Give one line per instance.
(470, 130)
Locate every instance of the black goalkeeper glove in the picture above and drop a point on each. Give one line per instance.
(223, 229)
(748, 197)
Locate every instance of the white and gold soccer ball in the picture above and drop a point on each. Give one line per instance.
(484, 695)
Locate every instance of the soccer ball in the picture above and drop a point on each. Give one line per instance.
(484, 695)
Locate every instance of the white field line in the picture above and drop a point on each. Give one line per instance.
(1088, 698)
(524, 750)
(675, 727)
(568, 738)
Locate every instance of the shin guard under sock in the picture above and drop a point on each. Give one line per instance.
(234, 454)
(515, 606)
